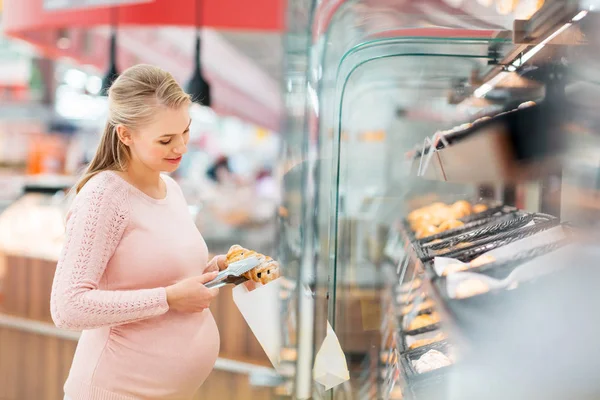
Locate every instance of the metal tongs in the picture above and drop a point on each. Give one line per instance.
(233, 273)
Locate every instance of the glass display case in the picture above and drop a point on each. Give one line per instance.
(448, 179)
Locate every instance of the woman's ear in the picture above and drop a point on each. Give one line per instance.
(124, 135)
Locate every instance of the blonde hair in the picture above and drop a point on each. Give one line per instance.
(132, 101)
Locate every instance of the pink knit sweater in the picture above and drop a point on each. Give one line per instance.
(122, 249)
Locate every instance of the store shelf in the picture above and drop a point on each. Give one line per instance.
(514, 146)
(460, 320)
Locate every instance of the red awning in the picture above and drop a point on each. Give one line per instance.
(252, 99)
(264, 15)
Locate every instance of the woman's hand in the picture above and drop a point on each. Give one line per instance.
(190, 295)
(218, 263)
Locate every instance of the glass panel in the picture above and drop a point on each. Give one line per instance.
(382, 78)
(403, 86)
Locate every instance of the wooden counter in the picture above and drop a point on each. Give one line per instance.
(34, 362)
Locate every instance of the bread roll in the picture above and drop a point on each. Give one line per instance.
(427, 231)
(424, 342)
(424, 320)
(450, 224)
(477, 208)
(461, 209)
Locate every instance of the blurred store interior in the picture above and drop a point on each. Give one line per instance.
(54, 56)
(425, 171)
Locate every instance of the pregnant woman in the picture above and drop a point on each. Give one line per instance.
(132, 271)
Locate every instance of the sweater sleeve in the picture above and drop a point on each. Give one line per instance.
(95, 225)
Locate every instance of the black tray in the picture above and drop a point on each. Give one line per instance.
(427, 310)
(500, 269)
(516, 260)
(411, 374)
(419, 331)
(494, 209)
(486, 244)
(432, 387)
(492, 225)
(470, 221)
(476, 221)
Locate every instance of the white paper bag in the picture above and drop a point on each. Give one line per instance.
(330, 367)
(261, 310)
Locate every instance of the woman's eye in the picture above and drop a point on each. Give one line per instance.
(165, 142)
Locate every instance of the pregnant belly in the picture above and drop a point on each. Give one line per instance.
(167, 357)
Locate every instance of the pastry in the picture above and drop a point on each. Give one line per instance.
(470, 288)
(450, 224)
(461, 209)
(430, 361)
(452, 268)
(423, 306)
(264, 273)
(424, 342)
(477, 208)
(427, 231)
(424, 320)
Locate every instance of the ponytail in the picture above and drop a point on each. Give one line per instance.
(111, 155)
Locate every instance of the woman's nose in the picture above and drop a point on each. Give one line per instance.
(181, 148)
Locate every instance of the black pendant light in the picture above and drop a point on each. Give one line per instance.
(197, 87)
(111, 73)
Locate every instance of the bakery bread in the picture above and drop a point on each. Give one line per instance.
(264, 273)
(238, 253)
(424, 320)
(424, 342)
(477, 208)
(423, 306)
(427, 231)
(460, 209)
(450, 224)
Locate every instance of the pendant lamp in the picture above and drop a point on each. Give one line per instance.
(111, 73)
(197, 87)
